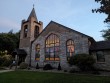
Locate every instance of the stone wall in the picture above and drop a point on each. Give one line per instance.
(80, 42)
(103, 65)
(25, 42)
(27, 49)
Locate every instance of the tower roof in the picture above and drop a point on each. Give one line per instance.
(32, 14)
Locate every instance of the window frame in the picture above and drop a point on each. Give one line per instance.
(98, 56)
(52, 45)
(37, 48)
(25, 31)
(68, 56)
(36, 31)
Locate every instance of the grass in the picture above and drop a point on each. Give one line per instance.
(44, 77)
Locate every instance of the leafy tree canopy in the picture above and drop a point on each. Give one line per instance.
(104, 8)
(106, 34)
(9, 41)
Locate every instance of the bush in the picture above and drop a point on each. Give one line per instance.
(5, 60)
(23, 65)
(2, 68)
(65, 71)
(83, 61)
(37, 66)
(73, 70)
(7, 63)
(96, 72)
(1, 60)
(47, 67)
(59, 67)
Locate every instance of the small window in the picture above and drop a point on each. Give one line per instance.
(89, 43)
(25, 30)
(36, 31)
(100, 56)
(69, 49)
(37, 54)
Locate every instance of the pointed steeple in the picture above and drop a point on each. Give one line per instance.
(32, 14)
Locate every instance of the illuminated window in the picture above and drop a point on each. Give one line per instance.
(100, 56)
(52, 47)
(36, 31)
(70, 48)
(37, 55)
(25, 30)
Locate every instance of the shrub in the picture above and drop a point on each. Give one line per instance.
(83, 61)
(1, 60)
(37, 66)
(65, 71)
(59, 67)
(5, 60)
(96, 72)
(2, 68)
(73, 70)
(23, 65)
(47, 67)
(7, 63)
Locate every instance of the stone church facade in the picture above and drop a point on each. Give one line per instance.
(56, 43)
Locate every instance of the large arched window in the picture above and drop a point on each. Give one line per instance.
(37, 54)
(70, 48)
(52, 47)
(36, 31)
(25, 30)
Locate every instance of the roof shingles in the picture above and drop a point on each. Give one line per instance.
(101, 45)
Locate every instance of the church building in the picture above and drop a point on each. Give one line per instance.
(56, 43)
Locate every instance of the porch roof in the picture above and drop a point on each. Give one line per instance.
(19, 52)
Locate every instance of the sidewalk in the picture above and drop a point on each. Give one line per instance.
(2, 71)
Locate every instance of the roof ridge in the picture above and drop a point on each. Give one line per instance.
(70, 29)
(103, 41)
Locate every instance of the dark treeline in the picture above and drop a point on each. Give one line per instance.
(8, 42)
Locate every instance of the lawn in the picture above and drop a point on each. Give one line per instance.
(44, 77)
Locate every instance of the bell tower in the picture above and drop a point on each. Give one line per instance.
(30, 30)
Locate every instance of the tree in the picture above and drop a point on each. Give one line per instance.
(8, 42)
(106, 34)
(104, 8)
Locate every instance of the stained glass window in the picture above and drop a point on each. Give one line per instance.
(37, 54)
(70, 48)
(52, 44)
